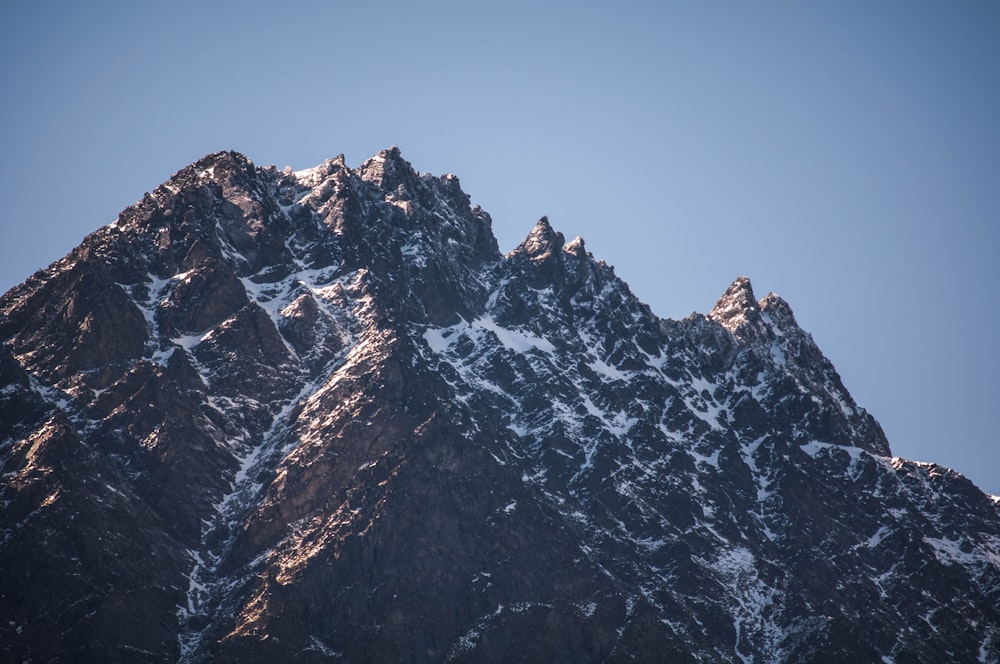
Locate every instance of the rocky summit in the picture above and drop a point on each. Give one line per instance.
(317, 416)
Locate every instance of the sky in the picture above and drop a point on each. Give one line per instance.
(843, 155)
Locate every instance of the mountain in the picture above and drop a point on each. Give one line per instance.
(317, 416)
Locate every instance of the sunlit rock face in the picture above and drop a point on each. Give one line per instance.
(317, 416)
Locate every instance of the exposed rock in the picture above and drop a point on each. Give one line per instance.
(316, 416)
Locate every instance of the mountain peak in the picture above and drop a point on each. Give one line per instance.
(739, 311)
(223, 161)
(737, 308)
(778, 311)
(542, 242)
(576, 247)
(256, 385)
(387, 169)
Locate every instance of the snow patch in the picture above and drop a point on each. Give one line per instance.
(468, 641)
(752, 600)
(877, 538)
(316, 645)
(950, 552)
(607, 371)
(440, 340)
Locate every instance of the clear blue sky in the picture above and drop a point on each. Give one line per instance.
(843, 154)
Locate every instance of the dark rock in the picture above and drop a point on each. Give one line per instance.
(202, 299)
(310, 416)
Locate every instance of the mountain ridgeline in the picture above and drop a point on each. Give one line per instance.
(317, 416)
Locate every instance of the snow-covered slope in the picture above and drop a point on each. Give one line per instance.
(317, 416)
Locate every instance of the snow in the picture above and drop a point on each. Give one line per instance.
(711, 460)
(815, 448)
(877, 538)
(949, 552)
(273, 444)
(882, 579)
(519, 430)
(196, 589)
(748, 452)
(519, 341)
(189, 341)
(316, 645)
(266, 294)
(515, 340)
(845, 408)
(606, 370)
(778, 355)
(414, 252)
(704, 409)
(437, 339)
(310, 176)
(585, 413)
(615, 423)
(752, 600)
(469, 640)
(987, 644)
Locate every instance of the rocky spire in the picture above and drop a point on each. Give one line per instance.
(387, 169)
(779, 312)
(576, 247)
(542, 242)
(737, 311)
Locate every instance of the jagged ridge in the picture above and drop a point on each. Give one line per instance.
(299, 405)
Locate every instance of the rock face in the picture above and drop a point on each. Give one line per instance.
(317, 416)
